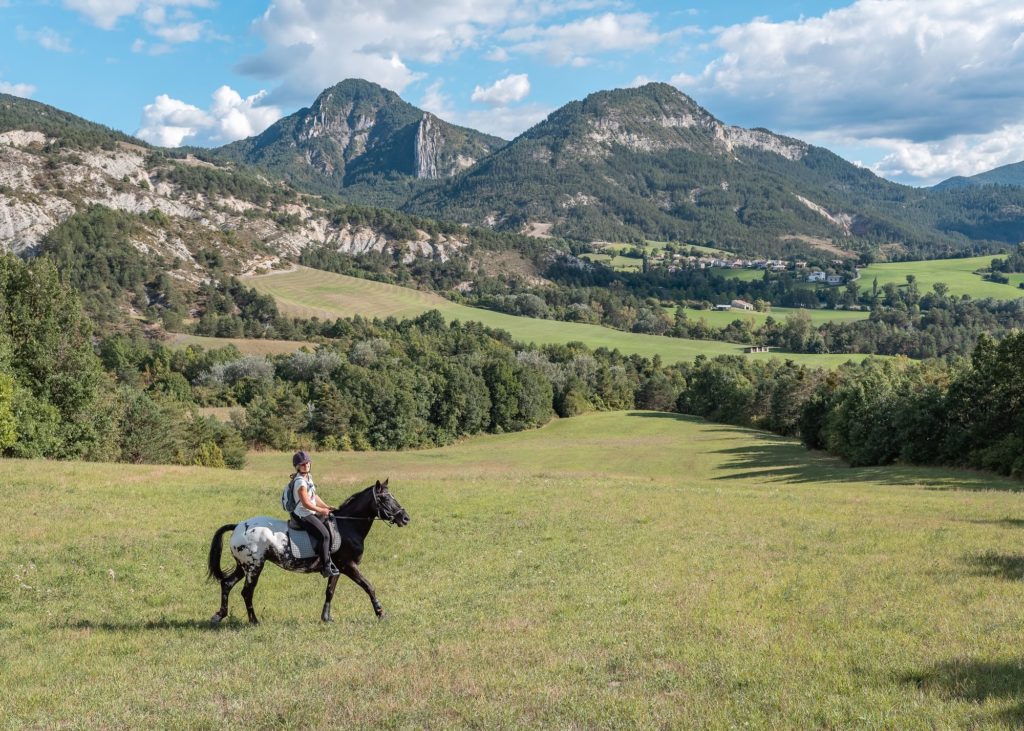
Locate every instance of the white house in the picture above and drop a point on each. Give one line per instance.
(833, 279)
(741, 305)
(816, 277)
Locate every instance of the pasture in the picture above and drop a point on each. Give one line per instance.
(957, 274)
(314, 293)
(717, 318)
(617, 570)
(247, 346)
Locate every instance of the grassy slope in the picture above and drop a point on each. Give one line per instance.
(609, 571)
(721, 319)
(956, 273)
(249, 346)
(309, 293)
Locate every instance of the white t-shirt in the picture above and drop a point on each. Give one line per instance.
(301, 510)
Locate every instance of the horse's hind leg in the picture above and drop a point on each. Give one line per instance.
(226, 585)
(252, 575)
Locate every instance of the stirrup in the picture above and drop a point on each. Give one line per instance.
(330, 570)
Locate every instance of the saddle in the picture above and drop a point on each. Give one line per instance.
(302, 545)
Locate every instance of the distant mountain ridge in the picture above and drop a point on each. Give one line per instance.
(1012, 174)
(359, 133)
(624, 164)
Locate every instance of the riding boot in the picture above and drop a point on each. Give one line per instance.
(329, 569)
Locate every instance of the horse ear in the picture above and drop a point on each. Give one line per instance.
(377, 484)
(386, 479)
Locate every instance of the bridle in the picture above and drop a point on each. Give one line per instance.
(384, 515)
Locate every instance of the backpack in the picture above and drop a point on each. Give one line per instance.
(288, 500)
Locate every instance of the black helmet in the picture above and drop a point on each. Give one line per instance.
(300, 457)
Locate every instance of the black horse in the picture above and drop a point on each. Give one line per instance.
(258, 540)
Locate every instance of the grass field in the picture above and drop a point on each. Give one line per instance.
(623, 570)
(717, 318)
(249, 346)
(313, 293)
(958, 274)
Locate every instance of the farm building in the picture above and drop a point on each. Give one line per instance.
(741, 305)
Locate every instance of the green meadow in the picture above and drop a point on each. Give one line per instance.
(616, 570)
(249, 346)
(717, 318)
(314, 293)
(957, 274)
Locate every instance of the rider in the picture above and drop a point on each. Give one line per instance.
(311, 511)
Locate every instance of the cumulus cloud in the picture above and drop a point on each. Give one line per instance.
(505, 122)
(48, 38)
(503, 92)
(172, 122)
(23, 90)
(576, 43)
(918, 70)
(931, 162)
(311, 44)
(153, 14)
(437, 102)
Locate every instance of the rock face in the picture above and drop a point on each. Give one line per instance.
(357, 132)
(40, 189)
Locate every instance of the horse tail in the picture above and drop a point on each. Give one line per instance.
(216, 546)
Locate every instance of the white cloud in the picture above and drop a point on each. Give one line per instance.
(926, 163)
(153, 14)
(497, 54)
(23, 90)
(103, 13)
(506, 122)
(918, 70)
(503, 92)
(171, 122)
(577, 42)
(48, 38)
(436, 101)
(312, 44)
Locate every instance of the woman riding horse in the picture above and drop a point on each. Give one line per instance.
(258, 540)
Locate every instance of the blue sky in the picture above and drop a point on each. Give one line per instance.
(918, 90)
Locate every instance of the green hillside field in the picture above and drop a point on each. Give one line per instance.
(248, 346)
(957, 274)
(313, 293)
(617, 570)
(717, 318)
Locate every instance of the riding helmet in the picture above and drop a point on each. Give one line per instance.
(300, 457)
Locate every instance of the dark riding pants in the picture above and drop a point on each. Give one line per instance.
(318, 532)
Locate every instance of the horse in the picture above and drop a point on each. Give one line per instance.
(258, 540)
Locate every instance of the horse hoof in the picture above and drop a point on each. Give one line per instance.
(382, 617)
(326, 620)
(215, 619)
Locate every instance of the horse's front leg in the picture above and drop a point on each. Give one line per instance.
(325, 616)
(352, 571)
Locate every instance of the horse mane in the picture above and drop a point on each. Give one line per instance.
(352, 498)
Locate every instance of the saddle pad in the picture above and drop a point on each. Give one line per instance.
(302, 545)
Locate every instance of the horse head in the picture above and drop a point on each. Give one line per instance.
(387, 507)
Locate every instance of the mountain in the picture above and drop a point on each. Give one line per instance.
(1012, 174)
(362, 139)
(651, 163)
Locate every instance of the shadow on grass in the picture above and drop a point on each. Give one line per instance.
(976, 681)
(198, 625)
(1004, 522)
(782, 459)
(1006, 566)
